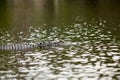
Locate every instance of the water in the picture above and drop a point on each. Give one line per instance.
(96, 57)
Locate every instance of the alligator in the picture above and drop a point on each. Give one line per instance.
(27, 46)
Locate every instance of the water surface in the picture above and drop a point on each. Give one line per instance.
(94, 24)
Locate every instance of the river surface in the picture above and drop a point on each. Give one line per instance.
(95, 25)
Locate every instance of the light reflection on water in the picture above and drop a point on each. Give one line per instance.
(97, 57)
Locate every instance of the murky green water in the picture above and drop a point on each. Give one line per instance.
(94, 24)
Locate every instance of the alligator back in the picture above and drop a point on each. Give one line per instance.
(29, 46)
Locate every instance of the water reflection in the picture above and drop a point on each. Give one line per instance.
(97, 56)
(22, 14)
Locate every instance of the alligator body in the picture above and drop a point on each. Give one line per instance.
(27, 46)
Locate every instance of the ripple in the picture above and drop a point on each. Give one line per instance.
(90, 54)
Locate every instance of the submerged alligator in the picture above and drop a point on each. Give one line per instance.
(27, 46)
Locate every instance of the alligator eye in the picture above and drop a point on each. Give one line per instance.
(40, 45)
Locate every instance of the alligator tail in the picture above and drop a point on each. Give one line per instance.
(18, 47)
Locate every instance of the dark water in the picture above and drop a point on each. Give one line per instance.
(94, 24)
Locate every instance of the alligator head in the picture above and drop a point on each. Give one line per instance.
(50, 44)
